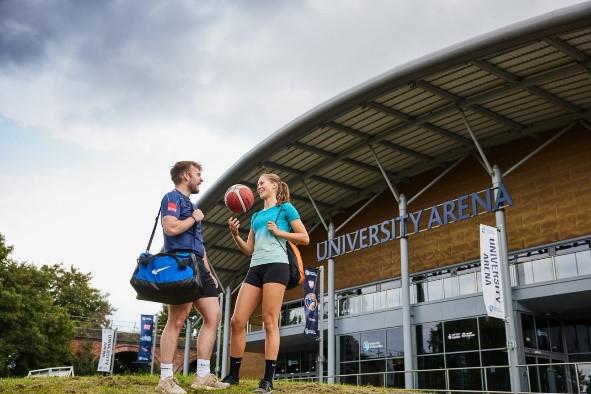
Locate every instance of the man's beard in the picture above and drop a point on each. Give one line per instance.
(195, 190)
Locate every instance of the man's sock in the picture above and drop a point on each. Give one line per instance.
(235, 367)
(270, 370)
(202, 367)
(165, 371)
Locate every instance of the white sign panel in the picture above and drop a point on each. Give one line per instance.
(490, 269)
(104, 364)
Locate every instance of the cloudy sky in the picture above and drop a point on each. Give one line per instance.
(99, 98)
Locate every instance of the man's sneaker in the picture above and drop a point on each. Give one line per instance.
(231, 380)
(265, 387)
(208, 382)
(169, 386)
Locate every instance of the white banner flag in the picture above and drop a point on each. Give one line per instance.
(490, 269)
(107, 345)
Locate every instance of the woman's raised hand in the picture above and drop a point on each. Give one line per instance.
(234, 225)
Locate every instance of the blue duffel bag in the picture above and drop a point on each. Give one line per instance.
(168, 278)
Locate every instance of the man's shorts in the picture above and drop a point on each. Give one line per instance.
(268, 273)
(208, 289)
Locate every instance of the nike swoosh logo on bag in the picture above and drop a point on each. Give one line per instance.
(156, 271)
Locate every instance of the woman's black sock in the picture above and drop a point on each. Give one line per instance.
(235, 367)
(269, 370)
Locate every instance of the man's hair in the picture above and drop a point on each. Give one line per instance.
(179, 168)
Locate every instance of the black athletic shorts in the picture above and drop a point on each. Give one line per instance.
(268, 273)
(208, 289)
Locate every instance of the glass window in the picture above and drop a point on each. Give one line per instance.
(570, 335)
(367, 303)
(467, 283)
(583, 338)
(349, 347)
(343, 306)
(525, 274)
(349, 369)
(395, 377)
(543, 270)
(461, 335)
(529, 333)
(492, 333)
(513, 273)
(465, 379)
(478, 281)
(393, 284)
(380, 301)
(494, 357)
(370, 367)
(309, 361)
(394, 342)
(462, 360)
(354, 305)
(430, 380)
(555, 336)
(373, 344)
(566, 266)
(451, 287)
(413, 293)
(280, 367)
(435, 291)
(429, 338)
(393, 298)
(421, 291)
(584, 262)
(293, 363)
(542, 333)
(369, 289)
(430, 362)
(497, 379)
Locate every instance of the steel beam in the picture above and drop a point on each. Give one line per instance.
(507, 76)
(392, 188)
(314, 205)
(226, 344)
(568, 49)
(434, 181)
(405, 289)
(539, 148)
(482, 155)
(351, 217)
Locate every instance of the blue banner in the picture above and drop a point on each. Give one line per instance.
(144, 354)
(311, 302)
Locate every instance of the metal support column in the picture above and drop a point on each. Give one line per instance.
(331, 308)
(226, 345)
(189, 326)
(510, 333)
(218, 357)
(405, 276)
(320, 361)
(154, 339)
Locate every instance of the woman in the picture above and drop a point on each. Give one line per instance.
(268, 274)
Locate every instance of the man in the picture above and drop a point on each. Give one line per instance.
(181, 223)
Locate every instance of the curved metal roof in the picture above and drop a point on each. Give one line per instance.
(530, 77)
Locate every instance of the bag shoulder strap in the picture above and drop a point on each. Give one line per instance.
(153, 230)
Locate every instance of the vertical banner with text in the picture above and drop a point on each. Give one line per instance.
(490, 269)
(311, 302)
(144, 354)
(107, 347)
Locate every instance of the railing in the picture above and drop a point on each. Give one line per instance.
(63, 372)
(535, 378)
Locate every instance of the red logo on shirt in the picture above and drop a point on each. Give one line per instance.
(172, 206)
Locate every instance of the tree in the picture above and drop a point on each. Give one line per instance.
(34, 332)
(71, 290)
(40, 308)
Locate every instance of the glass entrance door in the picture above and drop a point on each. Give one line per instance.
(548, 378)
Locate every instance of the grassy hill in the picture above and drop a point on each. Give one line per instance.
(140, 384)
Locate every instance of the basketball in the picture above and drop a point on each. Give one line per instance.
(238, 198)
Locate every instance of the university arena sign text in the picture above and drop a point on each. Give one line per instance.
(456, 210)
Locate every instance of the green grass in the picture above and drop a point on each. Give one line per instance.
(144, 384)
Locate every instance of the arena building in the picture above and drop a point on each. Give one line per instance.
(393, 178)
